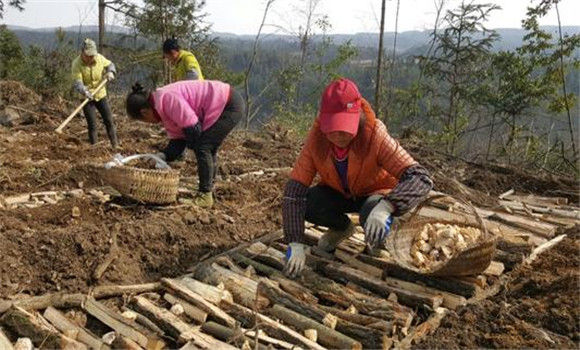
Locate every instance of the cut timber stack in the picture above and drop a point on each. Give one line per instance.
(242, 299)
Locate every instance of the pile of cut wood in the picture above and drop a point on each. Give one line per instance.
(241, 299)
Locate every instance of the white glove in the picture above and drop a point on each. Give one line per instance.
(110, 76)
(295, 259)
(89, 95)
(161, 155)
(378, 223)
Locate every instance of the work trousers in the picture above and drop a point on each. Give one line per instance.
(89, 111)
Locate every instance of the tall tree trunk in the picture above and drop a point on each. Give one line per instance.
(392, 68)
(101, 25)
(379, 61)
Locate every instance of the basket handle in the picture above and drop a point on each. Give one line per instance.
(119, 160)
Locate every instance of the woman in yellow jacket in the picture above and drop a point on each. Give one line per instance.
(186, 65)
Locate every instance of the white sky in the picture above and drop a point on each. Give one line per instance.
(244, 16)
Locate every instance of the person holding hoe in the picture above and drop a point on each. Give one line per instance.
(362, 169)
(88, 71)
(196, 114)
(185, 62)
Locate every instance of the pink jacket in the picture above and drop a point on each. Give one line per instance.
(184, 103)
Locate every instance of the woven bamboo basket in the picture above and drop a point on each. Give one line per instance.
(471, 261)
(144, 185)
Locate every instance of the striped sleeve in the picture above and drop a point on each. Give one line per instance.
(293, 211)
(414, 185)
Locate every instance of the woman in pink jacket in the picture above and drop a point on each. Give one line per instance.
(197, 114)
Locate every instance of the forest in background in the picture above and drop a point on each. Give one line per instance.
(506, 96)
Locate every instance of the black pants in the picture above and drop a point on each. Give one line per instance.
(207, 147)
(90, 114)
(327, 207)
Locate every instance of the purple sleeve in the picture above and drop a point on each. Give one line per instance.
(414, 185)
(293, 211)
(178, 110)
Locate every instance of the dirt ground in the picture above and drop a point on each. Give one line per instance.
(544, 295)
(49, 249)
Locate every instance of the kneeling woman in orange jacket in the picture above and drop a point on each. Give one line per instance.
(361, 168)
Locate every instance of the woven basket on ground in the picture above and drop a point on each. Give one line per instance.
(144, 185)
(471, 261)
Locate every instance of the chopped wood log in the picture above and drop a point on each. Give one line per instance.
(227, 262)
(175, 327)
(371, 338)
(124, 343)
(63, 324)
(210, 293)
(197, 300)
(369, 305)
(357, 264)
(248, 318)
(111, 256)
(540, 228)
(351, 246)
(145, 322)
(122, 326)
(364, 320)
(411, 298)
(311, 334)
(494, 269)
(537, 200)
(191, 311)
(393, 270)
(507, 193)
(543, 247)
(276, 343)
(422, 330)
(229, 335)
(41, 332)
(287, 285)
(571, 214)
(267, 255)
(242, 288)
(514, 247)
(5, 342)
(326, 336)
(23, 344)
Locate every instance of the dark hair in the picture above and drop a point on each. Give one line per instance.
(170, 44)
(137, 100)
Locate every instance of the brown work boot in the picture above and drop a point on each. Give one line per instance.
(203, 200)
(332, 238)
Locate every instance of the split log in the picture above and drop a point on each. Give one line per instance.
(175, 327)
(570, 214)
(227, 262)
(287, 285)
(5, 342)
(543, 247)
(229, 335)
(422, 330)
(248, 318)
(411, 298)
(494, 269)
(191, 311)
(369, 305)
(359, 265)
(537, 200)
(276, 343)
(102, 292)
(122, 326)
(42, 334)
(370, 338)
(364, 320)
(349, 245)
(145, 322)
(210, 293)
(242, 288)
(268, 255)
(197, 300)
(326, 336)
(67, 327)
(111, 256)
(311, 334)
(124, 343)
(540, 228)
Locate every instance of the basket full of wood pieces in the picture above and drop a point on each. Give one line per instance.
(442, 248)
(139, 178)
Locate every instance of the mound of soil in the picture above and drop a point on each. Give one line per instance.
(16, 93)
(538, 308)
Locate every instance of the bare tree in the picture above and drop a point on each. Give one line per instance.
(18, 4)
(380, 59)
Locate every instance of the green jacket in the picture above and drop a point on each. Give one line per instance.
(187, 67)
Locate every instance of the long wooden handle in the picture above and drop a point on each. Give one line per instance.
(72, 115)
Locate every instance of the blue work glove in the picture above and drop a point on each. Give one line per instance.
(378, 223)
(295, 259)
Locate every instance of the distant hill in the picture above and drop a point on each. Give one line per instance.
(408, 43)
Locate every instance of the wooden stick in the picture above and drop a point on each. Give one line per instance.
(230, 335)
(5, 342)
(210, 293)
(197, 300)
(364, 320)
(121, 325)
(543, 247)
(87, 100)
(276, 343)
(268, 255)
(145, 322)
(507, 193)
(326, 336)
(63, 324)
(248, 318)
(422, 330)
(242, 288)
(191, 311)
(111, 256)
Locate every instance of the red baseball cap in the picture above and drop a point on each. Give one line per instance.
(340, 107)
